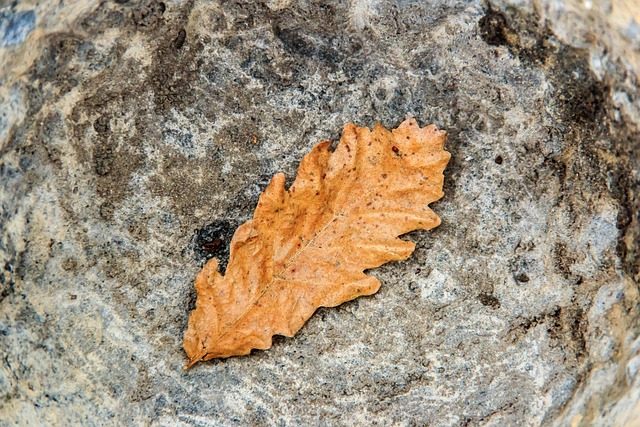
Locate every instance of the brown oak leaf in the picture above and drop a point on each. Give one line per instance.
(307, 247)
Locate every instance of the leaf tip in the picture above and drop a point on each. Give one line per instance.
(190, 364)
(194, 358)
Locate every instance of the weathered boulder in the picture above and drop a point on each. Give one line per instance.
(135, 136)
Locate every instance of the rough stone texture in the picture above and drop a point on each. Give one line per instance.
(136, 135)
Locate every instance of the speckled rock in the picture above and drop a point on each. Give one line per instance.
(135, 136)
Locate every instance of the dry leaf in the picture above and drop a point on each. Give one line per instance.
(308, 247)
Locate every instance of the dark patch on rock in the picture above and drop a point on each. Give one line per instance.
(148, 13)
(585, 116)
(569, 324)
(171, 75)
(517, 31)
(489, 300)
(213, 241)
(101, 125)
(325, 45)
(55, 62)
(69, 265)
(178, 42)
(563, 324)
(625, 188)
(579, 95)
(493, 28)
(295, 42)
(582, 113)
(109, 15)
(106, 210)
(103, 158)
(562, 260)
(7, 283)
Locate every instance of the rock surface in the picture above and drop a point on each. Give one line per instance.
(136, 135)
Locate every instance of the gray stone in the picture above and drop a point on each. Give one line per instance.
(15, 26)
(136, 136)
